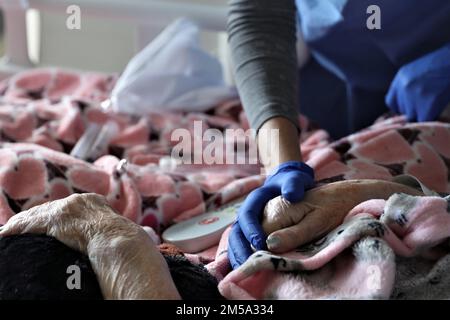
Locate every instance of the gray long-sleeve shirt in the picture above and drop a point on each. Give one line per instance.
(262, 37)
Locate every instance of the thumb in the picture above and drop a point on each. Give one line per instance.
(391, 100)
(308, 229)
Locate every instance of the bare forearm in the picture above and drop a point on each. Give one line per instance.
(278, 142)
(131, 268)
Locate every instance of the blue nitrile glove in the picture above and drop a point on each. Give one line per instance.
(290, 180)
(421, 89)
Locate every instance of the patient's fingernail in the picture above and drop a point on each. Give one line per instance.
(273, 242)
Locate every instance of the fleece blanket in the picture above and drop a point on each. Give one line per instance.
(358, 259)
(51, 108)
(44, 112)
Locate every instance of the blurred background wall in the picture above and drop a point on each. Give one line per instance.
(101, 44)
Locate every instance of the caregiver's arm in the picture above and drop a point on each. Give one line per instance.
(323, 209)
(262, 37)
(126, 261)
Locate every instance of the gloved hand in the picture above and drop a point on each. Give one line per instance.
(421, 89)
(290, 180)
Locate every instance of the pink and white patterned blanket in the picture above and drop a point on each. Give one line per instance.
(357, 260)
(44, 112)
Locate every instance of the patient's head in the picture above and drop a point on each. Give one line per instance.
(36, 267)
(41, 267)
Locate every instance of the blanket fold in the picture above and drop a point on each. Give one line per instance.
(357, 260)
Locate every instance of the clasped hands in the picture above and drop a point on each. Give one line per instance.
(289, 215)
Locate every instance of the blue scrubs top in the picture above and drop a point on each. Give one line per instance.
(344, 87)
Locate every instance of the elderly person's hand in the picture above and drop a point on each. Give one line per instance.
(289, 226)
(290, 180)
(126, 261)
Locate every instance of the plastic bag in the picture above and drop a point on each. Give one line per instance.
(171, 73)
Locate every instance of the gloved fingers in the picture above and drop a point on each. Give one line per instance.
(418, 86)
(238, 247)
(392, 100)
(293, 188)
(435, 105)
(292, 237)
(409, 109)
(234, 264)
(400, 104)
(250, 214)
(411, 116)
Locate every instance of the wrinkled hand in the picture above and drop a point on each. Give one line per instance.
(290, 180)
(289, 226)
(421, 89)
(123, 256)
